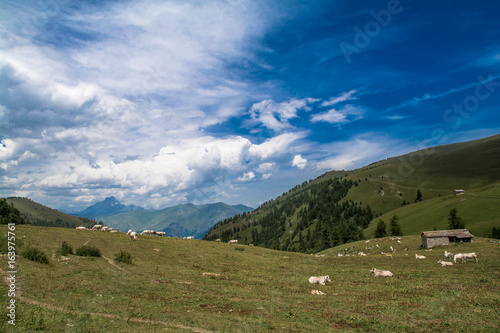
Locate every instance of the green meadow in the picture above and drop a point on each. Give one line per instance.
(176, 285)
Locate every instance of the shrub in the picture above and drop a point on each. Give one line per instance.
(66, 249)
(495, 232)
(35, 254)
(88, 251)
(124, 257)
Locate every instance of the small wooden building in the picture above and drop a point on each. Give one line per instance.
(458, 192)
(445, 237)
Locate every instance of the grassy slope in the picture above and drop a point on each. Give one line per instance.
(435, 171)
(258, 290)
(33, 210)
(478, 208)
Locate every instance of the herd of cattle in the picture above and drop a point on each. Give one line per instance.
(322, 280)
(130, 233)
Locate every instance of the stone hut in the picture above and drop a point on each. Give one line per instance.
(458, 192)
(445, 237)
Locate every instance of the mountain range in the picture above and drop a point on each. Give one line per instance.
(177, 221)
(109, 206)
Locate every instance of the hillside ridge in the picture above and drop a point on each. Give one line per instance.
(384, 188)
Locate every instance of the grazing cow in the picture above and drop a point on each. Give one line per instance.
(233, 241)
(464, 256)
(132, 235)
(419, 256)
(448, 254)
(320, 279)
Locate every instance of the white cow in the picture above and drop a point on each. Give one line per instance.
(132, 234)
(320, 279)
(464, 256)
(448, 254)
(445, 263)
(378, 272)
(233, 241)
(419, 256)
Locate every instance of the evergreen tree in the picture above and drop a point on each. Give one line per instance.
(395, 227)
(380, 231)
(454, 221)
(419, 196)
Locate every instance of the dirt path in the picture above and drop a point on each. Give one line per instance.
(106, 315)
(86, 242)
(113, 263)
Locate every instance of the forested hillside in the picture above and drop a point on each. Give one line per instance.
(310, 218)
(9, 214)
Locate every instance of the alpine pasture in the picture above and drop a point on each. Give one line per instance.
(176, 285)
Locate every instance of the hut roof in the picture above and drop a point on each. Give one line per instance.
(459, 233)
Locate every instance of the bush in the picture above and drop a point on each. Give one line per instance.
(35, 254)
(66, 249)
(495, 232)
(88, 251)
(124, 257)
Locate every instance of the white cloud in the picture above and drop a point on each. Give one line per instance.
(267, 175)
(275, 146)
(345, 96)
(275, 116)
(339, 116)
(299, 162)
(351, 154)
(247, 176)
(332, 116)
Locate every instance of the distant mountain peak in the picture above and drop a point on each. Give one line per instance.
(109, 206)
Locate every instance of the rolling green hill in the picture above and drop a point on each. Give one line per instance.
(386, 187)
(40, 215)
(176, 285)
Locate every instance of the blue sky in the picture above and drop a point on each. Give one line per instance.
(165, 102)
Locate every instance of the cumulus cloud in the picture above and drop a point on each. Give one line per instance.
(115, 97)
(299, 162)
